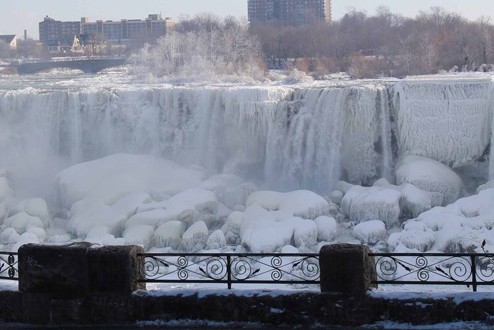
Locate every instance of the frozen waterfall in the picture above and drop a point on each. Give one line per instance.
(284, 137)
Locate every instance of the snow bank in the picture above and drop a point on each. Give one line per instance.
(458, 227)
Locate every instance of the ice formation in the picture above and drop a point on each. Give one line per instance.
(195, 167)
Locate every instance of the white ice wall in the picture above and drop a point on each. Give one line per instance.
(444, 118)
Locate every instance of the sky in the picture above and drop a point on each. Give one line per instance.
(18, 15)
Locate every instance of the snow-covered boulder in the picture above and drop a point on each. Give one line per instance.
(216, 240)
(186, 206)
(22, 221)
(9, 236)
(431, 176)
(195, 238)
(305, 233)
(37, 207)
(458, 227)
(327, 228)
(265, 231)
(169, 234)
(301, 203)
(415, 201)
(232, 227)
(415, 236)
(371, 203)
(26, 238)
(151, 218)
(370, 232)
(110, 178)
(139, 235)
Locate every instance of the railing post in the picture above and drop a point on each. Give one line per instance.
(474, 273)
(229, 271)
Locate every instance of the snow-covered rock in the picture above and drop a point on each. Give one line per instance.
(430, 175)
(370, 232)
(169, 234)
(371, 203)
(139, 235)
(302, 203)
(195, 238)
(9, 236)
(305, 233)
(265, 231)
(327, 228)
(216, 240)
(22, 221)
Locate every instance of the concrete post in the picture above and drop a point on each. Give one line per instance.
(347, 269)
(78, 283)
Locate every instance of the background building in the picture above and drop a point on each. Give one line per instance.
(289, 12)
(9, 40)
(60, 35)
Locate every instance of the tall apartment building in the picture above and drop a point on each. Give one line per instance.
(289, 12)
(56, 32)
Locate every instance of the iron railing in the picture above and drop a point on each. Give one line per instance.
(469, 269)
(231, 268)
(8, 266)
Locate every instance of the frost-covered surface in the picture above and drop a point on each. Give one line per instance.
(236, 167)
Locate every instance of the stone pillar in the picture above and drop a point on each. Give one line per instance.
(78, 283)
(347, 269)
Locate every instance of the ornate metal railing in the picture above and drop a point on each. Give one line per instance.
(8, 266)
(472, 270)
(231, 268)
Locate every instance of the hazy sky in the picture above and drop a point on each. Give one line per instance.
(17, 15)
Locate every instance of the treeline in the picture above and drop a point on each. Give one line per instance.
(385, 44)
(203, 47)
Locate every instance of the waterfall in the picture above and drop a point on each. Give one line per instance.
(281, 137)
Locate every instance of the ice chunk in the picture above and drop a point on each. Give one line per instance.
(371, 203)
(169, 234)
(326, 228)
(26, 238)
(264, 231)
(415, 201)
(151, 218)
(430, 175)
(9, 236)
(370, 232)
(232, 227)
(21, 221)
(195, 238)
(113, 177)
(39, 232)
(302, 203)
(139, 235)
(186, 206)
(37, 207)
(305, 233)
(216, 240)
